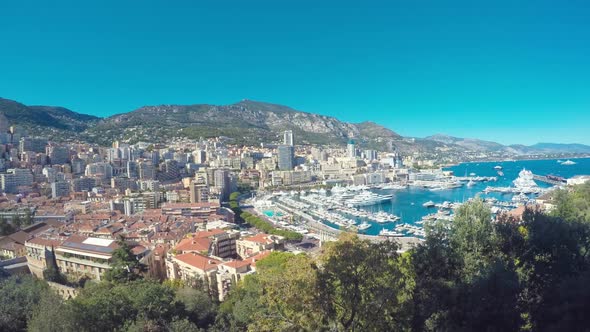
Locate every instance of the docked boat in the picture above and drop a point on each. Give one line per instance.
(386, 232)
(470, 184)
(366, 198)
(428, 204)
(364, 226)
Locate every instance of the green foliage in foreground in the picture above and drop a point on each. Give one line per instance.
(473, 274)
(28, 304)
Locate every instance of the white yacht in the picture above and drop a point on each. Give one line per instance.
(568, 162)
(366, 198)
(363, 226)
(386, 232)
(525, 181)
(428, 204)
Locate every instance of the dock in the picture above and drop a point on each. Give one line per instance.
(550, 179)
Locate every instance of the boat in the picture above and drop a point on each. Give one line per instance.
(386, 232)
(366, 198)
(568, 162)
(363, 226)
(428, 204)
(471, 183)
(498, 167)
(471, 174)
(500, 173)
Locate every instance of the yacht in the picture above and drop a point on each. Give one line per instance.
(428, 204)
(386, 232)
(363, 226)
(525, 181)
(498, 167)
(366, 198)
(568, 162)
(471, 183)
(393, 186)
(500, 173)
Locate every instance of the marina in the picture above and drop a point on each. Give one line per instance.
(402, 210)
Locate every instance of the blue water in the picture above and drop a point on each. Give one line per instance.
(408, 203)
(271, 214)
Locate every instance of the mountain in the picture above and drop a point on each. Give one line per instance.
(561, 148)
(247, 121)
(515, 149)
(40, 119)
(467, 143)
(253, 122)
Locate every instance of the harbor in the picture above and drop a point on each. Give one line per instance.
(401, 210)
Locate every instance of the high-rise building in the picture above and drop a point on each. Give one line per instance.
(222, 182)
(78, 165)
(370, 155)
(101, 169)
(32, 144)
(146, 170)
(57, 154)
(132, 171)
(83, 184)
(15, 178)
(351, 149)
(288, 138)
(286, 157)
(60, 189)
(200, 156)
(198, 192)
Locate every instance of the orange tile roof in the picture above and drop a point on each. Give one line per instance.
(197, 261)
(260, 238)
(193, 244)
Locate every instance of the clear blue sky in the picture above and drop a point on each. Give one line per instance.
(509, 71)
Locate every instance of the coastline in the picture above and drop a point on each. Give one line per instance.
(503, 161)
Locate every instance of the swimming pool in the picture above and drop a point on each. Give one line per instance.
(271, 214)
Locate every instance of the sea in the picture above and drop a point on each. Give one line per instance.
(407, 203)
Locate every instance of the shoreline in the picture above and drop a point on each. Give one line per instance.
(505, 161)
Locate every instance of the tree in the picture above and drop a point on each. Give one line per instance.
(359, 281)
(198, 306)
(289, 294)
(6, 228)
(465, 277)
(109, 306)
(51, 314)
(124, 265)
(19, 296)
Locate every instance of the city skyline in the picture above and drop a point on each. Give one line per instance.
(510, 74)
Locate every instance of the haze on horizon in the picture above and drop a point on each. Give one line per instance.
(502, 71)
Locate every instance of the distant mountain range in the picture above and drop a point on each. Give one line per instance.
(247, 122)
(487, 146)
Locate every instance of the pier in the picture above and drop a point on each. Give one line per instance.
(556, 181)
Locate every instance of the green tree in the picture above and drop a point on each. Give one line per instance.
(51, 314)
(359, 281)
(6, 228)
(289, 295)
(198, 306)
(124, 265)
(19, 296)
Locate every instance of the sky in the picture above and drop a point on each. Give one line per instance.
(507, 71)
